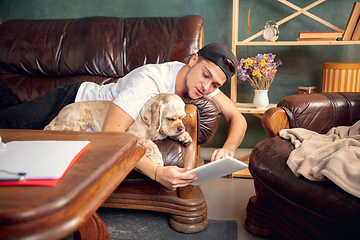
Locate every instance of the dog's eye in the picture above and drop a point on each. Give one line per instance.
(171, 119)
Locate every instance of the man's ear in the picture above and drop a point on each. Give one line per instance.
(193, 60)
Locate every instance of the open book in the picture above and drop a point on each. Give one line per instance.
(216, 169)
(40, 163)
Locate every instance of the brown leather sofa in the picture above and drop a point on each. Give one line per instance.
(292, 206)
(37, 56)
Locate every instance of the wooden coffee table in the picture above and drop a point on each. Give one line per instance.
(38, 212)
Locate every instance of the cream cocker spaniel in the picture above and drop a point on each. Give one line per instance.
(160, 117)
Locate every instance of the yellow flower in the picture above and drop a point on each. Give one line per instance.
(256, 73)
(262, 64)
(248, 63)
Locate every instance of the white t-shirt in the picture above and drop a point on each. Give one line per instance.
(132, 91)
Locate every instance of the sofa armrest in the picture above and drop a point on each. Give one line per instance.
(273, 120)
(191, 126)
(190, 159)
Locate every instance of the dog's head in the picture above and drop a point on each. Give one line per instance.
(163, 114)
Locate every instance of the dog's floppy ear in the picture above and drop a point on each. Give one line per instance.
(151, 113)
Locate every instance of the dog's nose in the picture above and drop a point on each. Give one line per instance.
(179, 128)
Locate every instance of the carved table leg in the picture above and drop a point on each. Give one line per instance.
(94, 228)
(189, 224)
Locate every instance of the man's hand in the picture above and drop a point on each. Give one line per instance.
(173, 177)
(220, 153)
(170, 177)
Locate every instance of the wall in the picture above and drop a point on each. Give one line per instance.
(302, 64)
(217, 14)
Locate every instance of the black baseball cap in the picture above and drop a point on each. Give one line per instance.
(217, 53)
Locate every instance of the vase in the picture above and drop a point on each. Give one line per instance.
(261, 99)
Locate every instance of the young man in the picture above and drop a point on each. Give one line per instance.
(205, 72)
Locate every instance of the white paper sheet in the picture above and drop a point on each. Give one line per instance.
(38, 159)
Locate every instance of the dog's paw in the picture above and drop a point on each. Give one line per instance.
(58, 128)
(49, 127)
(184, 138)
(54, 128)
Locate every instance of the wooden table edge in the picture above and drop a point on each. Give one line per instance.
(85, 208)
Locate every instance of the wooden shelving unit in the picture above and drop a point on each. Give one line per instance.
(249, 42)
(247, 107)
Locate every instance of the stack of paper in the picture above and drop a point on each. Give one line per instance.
(38, 162)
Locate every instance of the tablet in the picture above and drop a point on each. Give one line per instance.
(216, 169)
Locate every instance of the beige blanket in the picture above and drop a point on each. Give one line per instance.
(334, 155)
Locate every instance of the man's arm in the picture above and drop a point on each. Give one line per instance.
(237, 127)
(117, 119)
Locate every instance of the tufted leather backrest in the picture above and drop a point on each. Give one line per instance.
(37, 56)
(321, 111)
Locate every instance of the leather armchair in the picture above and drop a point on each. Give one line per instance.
(37, 56)
(292, 206)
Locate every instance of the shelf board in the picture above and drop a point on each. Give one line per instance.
(250, 108)
(296, 43)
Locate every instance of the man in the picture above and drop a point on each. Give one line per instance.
(205, 72)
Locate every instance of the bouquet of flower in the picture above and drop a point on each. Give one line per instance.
(259, 71)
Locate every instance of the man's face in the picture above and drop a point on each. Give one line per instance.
(203, 78)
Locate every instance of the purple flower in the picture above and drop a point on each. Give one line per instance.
(242, 75)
